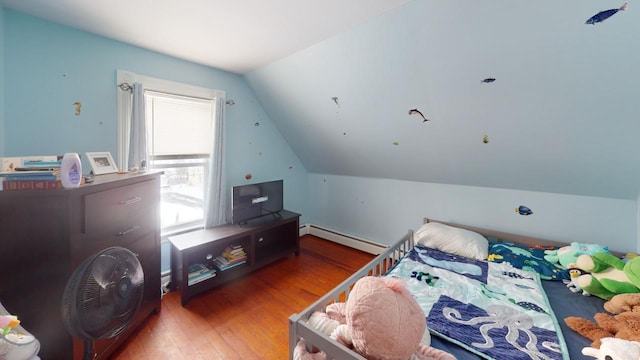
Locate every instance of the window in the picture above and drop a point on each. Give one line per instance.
(180, 122)
(180, 132)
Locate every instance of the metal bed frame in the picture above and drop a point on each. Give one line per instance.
(298, 326)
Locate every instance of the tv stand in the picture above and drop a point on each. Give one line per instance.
(264, 240)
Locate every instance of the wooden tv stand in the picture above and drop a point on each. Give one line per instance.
(264, 241)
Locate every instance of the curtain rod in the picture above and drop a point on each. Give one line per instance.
(126, 87)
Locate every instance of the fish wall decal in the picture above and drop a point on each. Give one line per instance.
(416, 111)
(523, 210)
(604, 15)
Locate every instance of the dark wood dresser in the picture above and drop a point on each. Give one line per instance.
(46, 234)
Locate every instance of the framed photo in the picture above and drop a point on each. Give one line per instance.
(102, 163)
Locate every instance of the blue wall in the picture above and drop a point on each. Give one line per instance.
(50, 66)
(562, 119)
(382, 210)
(562, 116)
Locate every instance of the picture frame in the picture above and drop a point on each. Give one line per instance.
(102, 163)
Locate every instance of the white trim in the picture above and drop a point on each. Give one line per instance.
(149, 83)
(368, 246)
(167, 86)
(304, 230)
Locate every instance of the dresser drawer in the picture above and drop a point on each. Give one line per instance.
(130, 211)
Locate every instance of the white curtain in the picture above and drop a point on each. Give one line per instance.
(138, 132)
(216, 204)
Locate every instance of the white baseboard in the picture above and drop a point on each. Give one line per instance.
(304, 229)
(368, 246)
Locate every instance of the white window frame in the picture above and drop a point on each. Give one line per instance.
(155, 84)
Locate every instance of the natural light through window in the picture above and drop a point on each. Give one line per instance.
(180, 130)
(180, 123)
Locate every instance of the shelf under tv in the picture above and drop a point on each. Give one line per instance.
(264, 239)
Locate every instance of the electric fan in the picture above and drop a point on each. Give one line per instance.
(102, 296)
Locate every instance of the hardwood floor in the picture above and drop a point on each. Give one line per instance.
(245, 319)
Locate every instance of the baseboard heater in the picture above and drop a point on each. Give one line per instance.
(368, 246)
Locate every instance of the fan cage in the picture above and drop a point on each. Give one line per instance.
(103, 294)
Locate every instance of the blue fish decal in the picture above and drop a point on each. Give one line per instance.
(488, 80)
(604, 15)
(523, 210)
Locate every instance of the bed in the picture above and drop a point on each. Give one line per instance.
(557, 302)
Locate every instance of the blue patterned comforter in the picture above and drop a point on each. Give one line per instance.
(491, 309)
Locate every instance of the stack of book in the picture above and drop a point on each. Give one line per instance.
(200, 272)
(32, 174)
(233, 255)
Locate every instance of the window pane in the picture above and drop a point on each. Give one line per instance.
(181, 135)
(182, 202)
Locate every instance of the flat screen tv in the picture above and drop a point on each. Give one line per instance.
(255, 200)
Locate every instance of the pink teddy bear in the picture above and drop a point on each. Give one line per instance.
(380, 320)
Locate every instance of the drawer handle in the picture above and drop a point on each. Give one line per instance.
(133, 228)
(131, 201)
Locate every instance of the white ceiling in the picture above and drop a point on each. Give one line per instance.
(233, 35)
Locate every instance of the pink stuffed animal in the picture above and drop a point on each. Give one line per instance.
(381, 321)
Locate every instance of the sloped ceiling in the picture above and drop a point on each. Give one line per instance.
(562, 115)
(236, 36)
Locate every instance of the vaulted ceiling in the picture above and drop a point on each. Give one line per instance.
(562, 115)
(236, 36)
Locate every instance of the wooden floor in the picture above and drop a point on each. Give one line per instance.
(246, 319)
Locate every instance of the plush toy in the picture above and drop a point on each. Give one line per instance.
(8, 322)
(629, 256)
(381, 321)
(300, 352)
(323, 322)
(614, 349)
(625, 324)
(569, 254)
(608, 275)
(623, 302)
(574, 274)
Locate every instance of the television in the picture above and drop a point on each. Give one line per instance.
(251, 201)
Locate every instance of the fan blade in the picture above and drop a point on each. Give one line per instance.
(103, 294)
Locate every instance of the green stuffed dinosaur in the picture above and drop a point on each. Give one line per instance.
(608, 275)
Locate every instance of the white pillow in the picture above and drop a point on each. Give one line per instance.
(453, 240)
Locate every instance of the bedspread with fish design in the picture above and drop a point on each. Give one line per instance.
(491, 309)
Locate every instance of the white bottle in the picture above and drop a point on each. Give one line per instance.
(70, 170)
